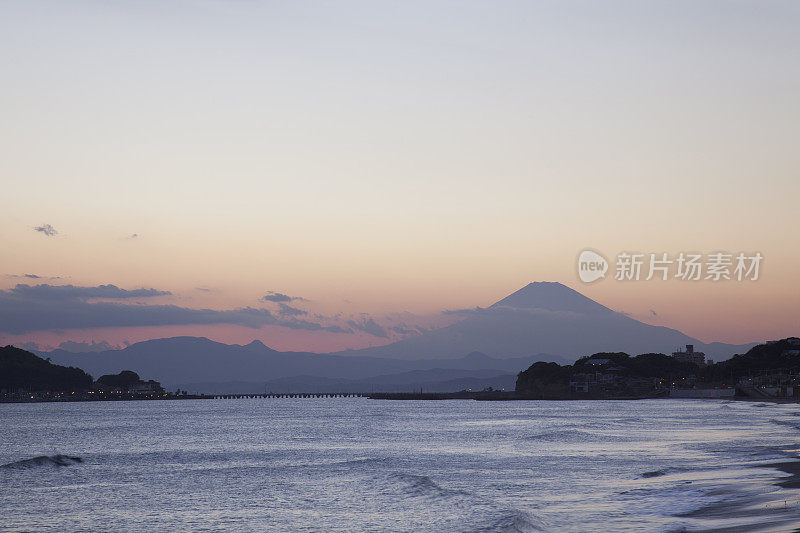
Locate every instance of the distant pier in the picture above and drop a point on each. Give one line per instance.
(289, 395)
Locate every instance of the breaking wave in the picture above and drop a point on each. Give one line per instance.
(516, 522)
(493, 517)
(794, 425)
(44, 460)
(416, 485)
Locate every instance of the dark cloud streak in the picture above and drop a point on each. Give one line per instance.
(464, 312)
(277, 297)
(369, 326)
(67, 292)
(288, 310)
(46, 229)
(27, 308)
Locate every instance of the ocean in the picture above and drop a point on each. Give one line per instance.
(354, 464)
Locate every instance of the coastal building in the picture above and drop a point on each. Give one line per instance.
(585, 382)
(702, 393)
(774, 384)
(690, 356)
(146, 386)
(578, 385)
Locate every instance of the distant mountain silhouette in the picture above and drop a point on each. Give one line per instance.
(545, 317)
(22, 370)
(504, 338)
(192, 360)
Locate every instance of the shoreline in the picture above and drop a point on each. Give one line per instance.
(85, 398)
(761, 513)
(487, 396)
(791, 467)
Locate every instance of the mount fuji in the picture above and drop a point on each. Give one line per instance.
(545, 318)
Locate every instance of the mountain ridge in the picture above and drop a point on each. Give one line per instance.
(542, 321)
(545, 317)
(204, 360)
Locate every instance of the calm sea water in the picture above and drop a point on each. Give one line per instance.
(369, 465)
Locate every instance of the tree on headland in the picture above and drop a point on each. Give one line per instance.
(552, 380)
(783, 355)
(123, 381)
(22, 370)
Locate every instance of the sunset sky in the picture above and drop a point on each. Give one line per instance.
(331, 175)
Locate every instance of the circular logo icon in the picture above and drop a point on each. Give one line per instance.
(591, 266)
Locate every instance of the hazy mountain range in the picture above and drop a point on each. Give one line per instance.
(199, 364)
(542, 321)
(547, 318)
